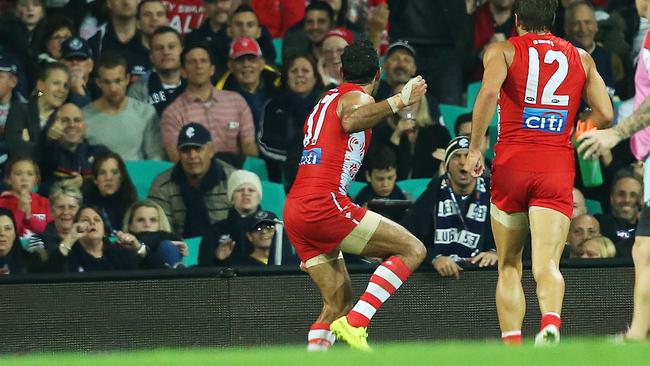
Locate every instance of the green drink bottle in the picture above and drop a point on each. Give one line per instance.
(590, 171)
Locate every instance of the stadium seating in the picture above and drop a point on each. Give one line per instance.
(593, 207)
(193, 245)
(257, 166)
(414, 187)
(277, 44)
(472, 92)
(143, 172)
(354, 188)
(449, 114)
(273, 197)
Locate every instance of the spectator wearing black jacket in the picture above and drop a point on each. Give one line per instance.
(13, 258)
(620, 223)
(381, 175)
(25, 121)
(281, 127)
(148, 222)
(87, 247)
(64, 153)
(452, 217)
(226, 244)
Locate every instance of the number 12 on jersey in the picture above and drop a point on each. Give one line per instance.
(532, 83)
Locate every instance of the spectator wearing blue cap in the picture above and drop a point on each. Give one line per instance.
(416, 132)
(452, 217)
(78, 57)
(193, 193)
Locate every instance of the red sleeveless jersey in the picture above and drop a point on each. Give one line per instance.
(330, 158)
(538, 103)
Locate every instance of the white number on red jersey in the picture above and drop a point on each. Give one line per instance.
(312, 135)
(532, 84)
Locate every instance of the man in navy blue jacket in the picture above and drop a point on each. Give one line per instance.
(452, 217)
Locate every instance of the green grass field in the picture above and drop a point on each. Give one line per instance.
(571, 352)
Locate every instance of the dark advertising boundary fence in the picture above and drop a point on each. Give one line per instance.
(211, 307)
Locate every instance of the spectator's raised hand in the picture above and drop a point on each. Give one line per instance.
(128, 241)
(485, 259)
(378, 18)
(224, 250)
(78, 231)
(446, 267)
(55, 131)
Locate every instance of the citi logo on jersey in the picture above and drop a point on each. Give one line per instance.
(310, 156)
(548, 120)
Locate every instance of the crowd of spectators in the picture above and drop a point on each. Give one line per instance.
(87, 86)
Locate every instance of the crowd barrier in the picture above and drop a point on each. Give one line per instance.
(226, 307)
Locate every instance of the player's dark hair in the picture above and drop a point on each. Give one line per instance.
(380, 157)
(536, 15)
(321, 6)
(359, 62)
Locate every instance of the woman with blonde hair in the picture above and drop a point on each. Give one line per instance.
(147, 221)
(596, 247)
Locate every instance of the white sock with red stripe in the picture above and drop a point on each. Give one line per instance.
(320, 337)
(388, 277)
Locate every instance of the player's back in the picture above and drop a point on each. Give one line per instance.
(331, 157)
(538, 102)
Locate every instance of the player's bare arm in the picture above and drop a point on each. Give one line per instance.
(495, 61)
(595, 93)
(359, 111)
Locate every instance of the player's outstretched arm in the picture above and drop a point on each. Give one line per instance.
(595, 94)
(359, 111)
(593, 142)
(496, 70)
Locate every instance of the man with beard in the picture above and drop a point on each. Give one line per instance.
(414, 133)
(625, 199)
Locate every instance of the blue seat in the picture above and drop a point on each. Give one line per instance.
(193, 245)
(354, 188)
(257, 166)
(277, 44)
(143, 172)
(593, 207)
(449, 114)
(472, 92)
(273, 197)
(414, 187)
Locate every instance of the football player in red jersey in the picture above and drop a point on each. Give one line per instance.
(538, 81)
(320, 219)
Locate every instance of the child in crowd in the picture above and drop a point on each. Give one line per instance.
(381, 176)
(31, 210)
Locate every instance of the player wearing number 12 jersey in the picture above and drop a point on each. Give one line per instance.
(320, 219)
(538, 81)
